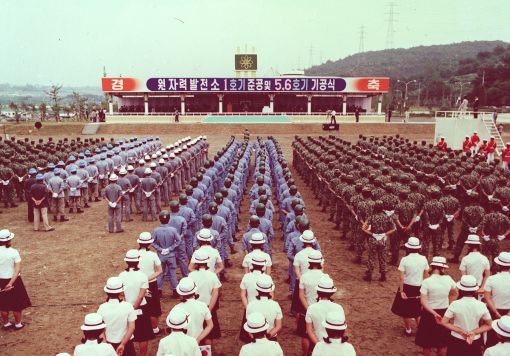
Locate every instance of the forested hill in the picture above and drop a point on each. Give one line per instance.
(406, 63)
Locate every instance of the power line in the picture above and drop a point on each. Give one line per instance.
(390, 33)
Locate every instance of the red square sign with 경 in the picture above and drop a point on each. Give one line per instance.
(373, 84)
(119, 84)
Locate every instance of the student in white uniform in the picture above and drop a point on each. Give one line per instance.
(136, 285)
(317, 312)
(256, 325)
(497, 292)
(467, 318)
(310, 279)
(249, 281)
(413, 269)
(150, 265)
(92, 344)
(257, 242)
(502, 328)
(335, 343)
(437, 292)
(265, 305)
(13, 295)
(178, 343)
(197, 311)
(301, 264)
(474, 263)
(208, 290)
(205, 238)
(119, 317)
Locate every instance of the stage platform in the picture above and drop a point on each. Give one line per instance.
(216, 119)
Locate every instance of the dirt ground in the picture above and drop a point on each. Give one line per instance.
(65, 270)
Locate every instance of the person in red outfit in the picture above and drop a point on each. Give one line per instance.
(482, 150)
(491, 149)
(466, 145)
(475, 140)
(505, 156)
(442, 145)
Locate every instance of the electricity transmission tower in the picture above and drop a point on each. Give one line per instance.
(361, 47)
(391, 26)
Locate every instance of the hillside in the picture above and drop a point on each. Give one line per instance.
(405, 63)
(439, 69)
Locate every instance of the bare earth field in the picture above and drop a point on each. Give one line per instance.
(65, 270)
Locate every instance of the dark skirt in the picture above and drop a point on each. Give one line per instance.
(143, 326)
(431, 335)
(15, 299)
(459, 347)
(153, 306)
(297, 306)
(492, 337)
(243, 335)
(301, 325)
(129, 349)
(216, 331)
(407, 308)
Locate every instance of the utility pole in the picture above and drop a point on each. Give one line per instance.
(104, 71)
(390, 32)
(311, 57)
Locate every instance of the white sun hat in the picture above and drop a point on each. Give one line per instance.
(473, 240)
(502, 326)
(413, 243)
(335, 321)
(468, 283)
(256, 323)
(93, 321)
(132, 256)
(176, 319)
(258, 258)
(204, 235)
(503, 259)
(257, 238)
(315, 256)
(200, 256)
(114, 285)
(265, 284)
(326, 285)
(186, 286)
(6, 235)
(145, 238)
(307, 237)
(439, 261)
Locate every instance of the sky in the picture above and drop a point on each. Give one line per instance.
(69, 41)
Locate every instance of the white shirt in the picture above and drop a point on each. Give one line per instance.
(309, 280)
(8, 257)
(301, 259)
(501, 349)
(91, 347)
(206, 281)
(261, 347)
(499, 286)
(333, 113)
(316, 314)
(178, 343)
(116, 315)
(198, 313)
(148, 259)
(267, 307)
(437, 288)
(249, 283)
(475, 264)
(133, 282)
(467, 313)
(336, 348)
(214, 256)
(413, 266)
(247, 259)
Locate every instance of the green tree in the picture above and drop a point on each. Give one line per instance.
(54, 95)
(78, 105)
(43, 110)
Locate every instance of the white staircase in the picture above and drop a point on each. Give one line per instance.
(493, 130)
